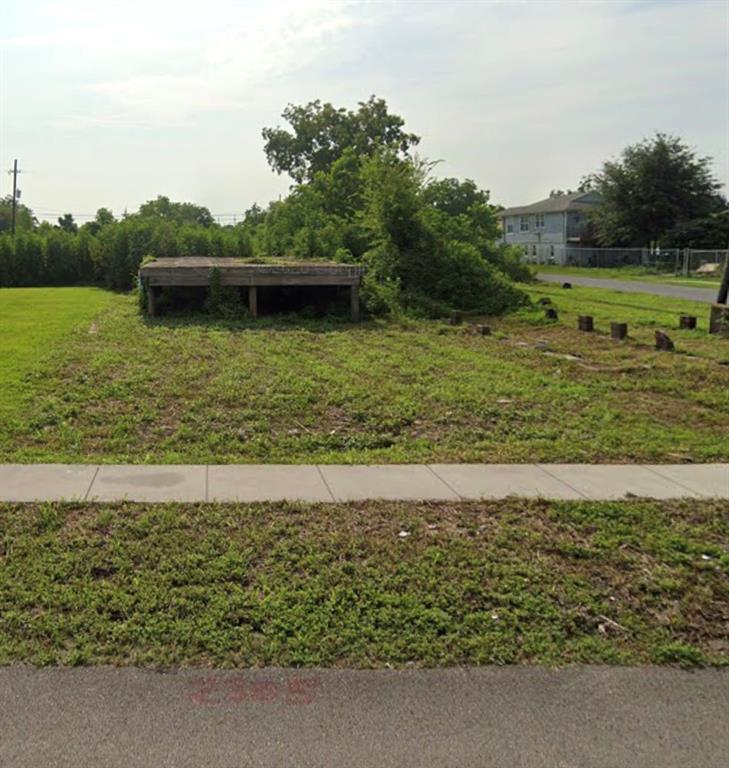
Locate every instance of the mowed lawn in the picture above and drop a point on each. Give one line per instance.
(120, 388)
(34, 324)
(365, 585)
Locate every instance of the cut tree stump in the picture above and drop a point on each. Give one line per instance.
(456, 318)
(663, 342)
(619, 331)
(687, 322)
(551, 313)
(585, 323)
(484, 330)
(719, 319)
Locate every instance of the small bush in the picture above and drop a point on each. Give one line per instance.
(508, 258)
(223, 300)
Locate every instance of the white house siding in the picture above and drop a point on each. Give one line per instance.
(542, 245)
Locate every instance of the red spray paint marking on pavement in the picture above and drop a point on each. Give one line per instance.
(214, 691)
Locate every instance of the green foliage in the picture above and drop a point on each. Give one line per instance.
(177, 213)
(709, 232)
(437, 260)
(67, 224)
(429, 245)
(222, 300)
(294, 584)
(322, 132)
(652, 189)
(24, 219)
(682, 654)
(508, 258)
(453, 196)
(109, 252)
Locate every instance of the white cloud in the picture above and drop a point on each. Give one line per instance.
(520, 96)
(222, 71)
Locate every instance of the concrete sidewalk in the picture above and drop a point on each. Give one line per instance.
(581, 717)
(325, 482)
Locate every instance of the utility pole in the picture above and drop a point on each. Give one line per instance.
(15, 173)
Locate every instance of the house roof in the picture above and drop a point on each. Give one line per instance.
(558, 204)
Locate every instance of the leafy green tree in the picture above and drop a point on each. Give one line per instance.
(421, 258)
(162, 208)
(321, 132)
(453, 196)
(103, 218)
(711, 232)
(67, 224)
(24, 219)
(650, 189)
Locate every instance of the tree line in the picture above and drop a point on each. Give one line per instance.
(361, 195)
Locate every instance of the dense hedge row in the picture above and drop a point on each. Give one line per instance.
(112, 255)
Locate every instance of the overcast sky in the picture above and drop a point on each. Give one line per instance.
(111, 103)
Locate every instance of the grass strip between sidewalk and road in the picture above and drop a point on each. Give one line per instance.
(365, 585)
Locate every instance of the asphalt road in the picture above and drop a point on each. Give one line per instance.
(707, 295)
(518, 717)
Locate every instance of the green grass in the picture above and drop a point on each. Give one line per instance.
(33, 323)
(517, 581)
(188, 389)
(645, 274)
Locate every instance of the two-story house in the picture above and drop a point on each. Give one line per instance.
(548, 228)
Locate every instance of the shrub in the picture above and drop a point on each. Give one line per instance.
(223, 300)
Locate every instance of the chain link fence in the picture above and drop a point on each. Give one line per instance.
(703, 261)
(676, 261)
(663, 259)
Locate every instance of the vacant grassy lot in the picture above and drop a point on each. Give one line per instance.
(120, 388)
(365, 584)
(633, 273)
(34, 323)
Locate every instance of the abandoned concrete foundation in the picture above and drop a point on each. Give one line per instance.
(196, 271)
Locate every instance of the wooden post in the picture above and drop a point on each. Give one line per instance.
(253, 301)
(354, 302)
(663, 342)
(585, 323)
(619, 331)
(151, 300)
(719, 319)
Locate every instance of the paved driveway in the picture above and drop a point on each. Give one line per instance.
(707, 295)
(578, 717)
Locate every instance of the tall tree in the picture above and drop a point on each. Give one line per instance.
(24, 219)
(162, 208)
(321, 132)
(104, 217)
(67, 224)
(651, 188)
(454, 196)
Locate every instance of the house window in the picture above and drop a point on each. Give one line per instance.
(539, 221)
(524, 224)
(534, 250)
(509, 227)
